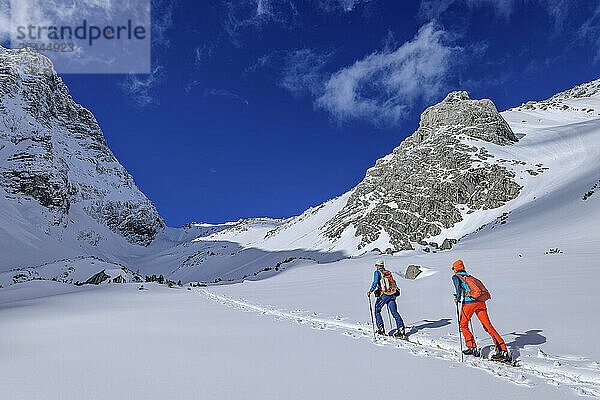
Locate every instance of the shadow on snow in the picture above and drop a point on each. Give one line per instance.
(219, 262)
(429, 325)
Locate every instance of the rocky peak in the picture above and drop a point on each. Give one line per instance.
(455, 97)
(433, 178)
(459, 114)
(52, 150)
(25, 62)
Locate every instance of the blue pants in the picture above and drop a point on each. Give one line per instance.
(390, 300)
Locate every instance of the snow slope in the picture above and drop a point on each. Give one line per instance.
(305, 331)
(72, 271)
(62, 191)
(121, 343)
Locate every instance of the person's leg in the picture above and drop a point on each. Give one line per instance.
(482, 315)
(465, 316)
(378, 306)
(394, 310)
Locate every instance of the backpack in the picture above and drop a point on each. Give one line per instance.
(477, 289)
(387, 282)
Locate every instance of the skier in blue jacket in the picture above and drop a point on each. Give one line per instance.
(386, 291)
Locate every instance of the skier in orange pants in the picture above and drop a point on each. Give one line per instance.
(475, 305)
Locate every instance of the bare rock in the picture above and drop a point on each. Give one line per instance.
(447, 244)
(412, 271)
(97, 278)
(416, 191)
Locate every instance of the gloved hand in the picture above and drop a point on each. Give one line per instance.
(369, 293)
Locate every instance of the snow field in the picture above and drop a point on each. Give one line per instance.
(118, 342)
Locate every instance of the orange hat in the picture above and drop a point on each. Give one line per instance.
(458, 266)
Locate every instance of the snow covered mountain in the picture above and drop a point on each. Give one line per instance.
(61, 187)
(460, 170)
(64, 195)
(444, 175)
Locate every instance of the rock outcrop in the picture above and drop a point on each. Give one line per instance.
(478, 119)
(52, 150)
(442, 168)
(97, 278)
(412, 271)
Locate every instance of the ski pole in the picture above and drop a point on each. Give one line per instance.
(372, 322)
(471, 325)
(459, 333)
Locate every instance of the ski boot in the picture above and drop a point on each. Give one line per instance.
(471, 351)
(501, 356)
(380, 330)
(400, 333)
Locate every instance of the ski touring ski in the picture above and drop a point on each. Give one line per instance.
(509, 363)
(404, 338)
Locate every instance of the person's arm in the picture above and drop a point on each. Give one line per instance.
(376, 278)
(457, 286)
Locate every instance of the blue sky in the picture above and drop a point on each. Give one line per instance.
(267, 107)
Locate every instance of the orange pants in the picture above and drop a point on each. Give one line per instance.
(479, 309)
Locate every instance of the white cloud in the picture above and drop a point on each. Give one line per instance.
(590, 31)
(244, 17)
(204, 53)
(262, 62)
(191, 86)
(162, 21)
(69, 12)
(264, 7)
(556, 9)
(300, 71)
(44, 13)
(225, 94)
(435, 8)
(251, 15)
(141, 87)
(4, 21)
(303, 71)
(336, 5)
(384, 86)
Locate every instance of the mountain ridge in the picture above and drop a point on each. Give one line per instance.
(65, 192)
(53, 152)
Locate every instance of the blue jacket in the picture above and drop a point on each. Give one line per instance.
(376, 279)
(462, 289)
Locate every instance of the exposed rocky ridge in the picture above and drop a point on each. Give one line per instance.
(432, 178)
(557, 101)
(52, 150)
(588, 89)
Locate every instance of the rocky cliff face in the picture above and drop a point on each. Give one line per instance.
(52, 150)
(438, 174)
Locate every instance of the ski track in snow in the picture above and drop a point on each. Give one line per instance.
(554, 370)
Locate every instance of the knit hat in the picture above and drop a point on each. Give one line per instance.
(458, 266)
